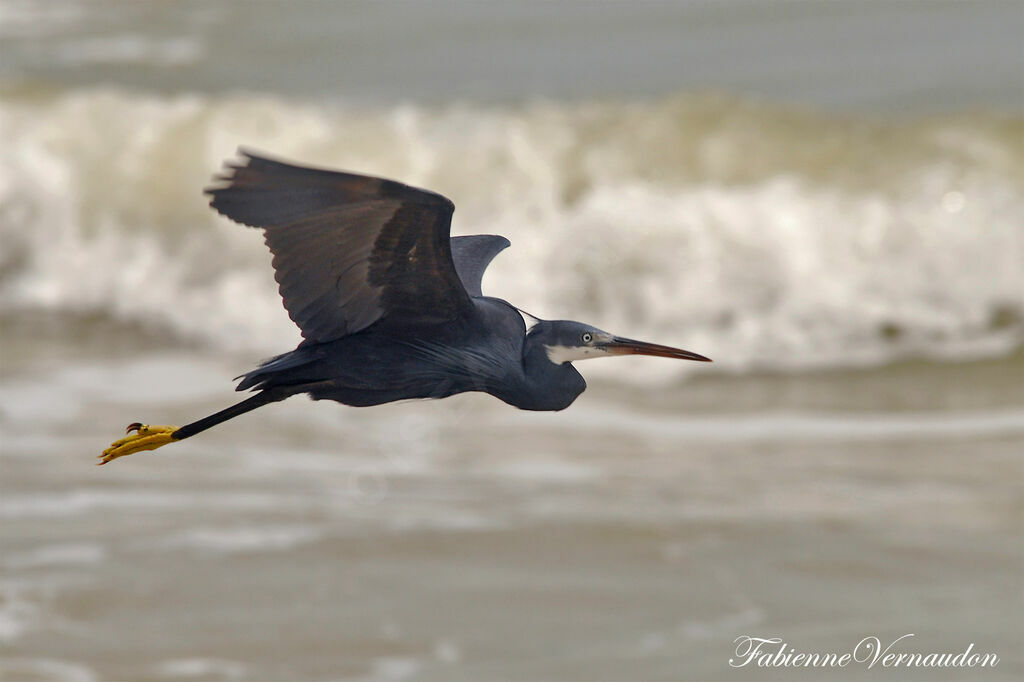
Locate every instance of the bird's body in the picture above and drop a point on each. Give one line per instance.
(482, 353)
(389, 305)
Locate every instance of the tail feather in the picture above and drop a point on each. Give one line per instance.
(275, 366)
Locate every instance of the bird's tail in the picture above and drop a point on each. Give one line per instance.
(281, 369)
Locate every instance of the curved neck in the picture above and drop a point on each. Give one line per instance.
(547, 386)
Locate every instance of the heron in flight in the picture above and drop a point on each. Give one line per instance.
(389, 305)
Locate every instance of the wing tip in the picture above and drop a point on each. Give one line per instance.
(222, 180)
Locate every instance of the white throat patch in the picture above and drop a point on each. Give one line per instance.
(562, 354)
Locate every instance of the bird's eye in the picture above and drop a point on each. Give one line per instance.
(587, 337)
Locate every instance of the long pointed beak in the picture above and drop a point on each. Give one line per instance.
(621, 346)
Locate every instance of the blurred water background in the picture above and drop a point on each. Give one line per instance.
(825, 197)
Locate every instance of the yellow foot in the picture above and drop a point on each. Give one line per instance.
(145, 438)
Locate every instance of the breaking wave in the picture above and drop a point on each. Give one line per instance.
(757, 235)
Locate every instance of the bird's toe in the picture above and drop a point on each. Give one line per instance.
(140, 437)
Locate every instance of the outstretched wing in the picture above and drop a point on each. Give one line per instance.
(472, 255)
(349, 250)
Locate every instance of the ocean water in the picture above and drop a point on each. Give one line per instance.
(777, 238)
(825, 197)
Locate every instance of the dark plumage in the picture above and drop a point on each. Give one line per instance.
(389, 306)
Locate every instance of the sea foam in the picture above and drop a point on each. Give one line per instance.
(759, 236)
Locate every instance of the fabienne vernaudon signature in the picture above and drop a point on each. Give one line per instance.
(871, 652)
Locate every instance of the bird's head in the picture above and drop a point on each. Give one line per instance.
(567, 341)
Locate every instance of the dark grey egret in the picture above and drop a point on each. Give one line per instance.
(389, 305)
